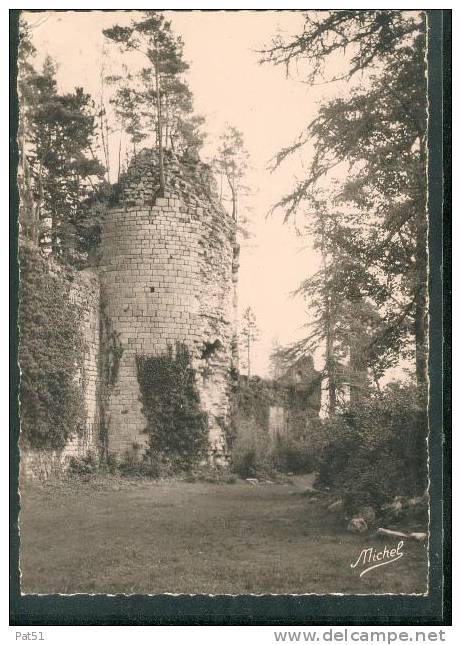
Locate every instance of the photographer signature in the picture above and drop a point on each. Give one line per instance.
(375, 558)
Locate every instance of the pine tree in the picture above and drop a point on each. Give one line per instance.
(59, 168)
(28, 215)
(156, 98)
(232, 161)
(249, 334)
(377, 134)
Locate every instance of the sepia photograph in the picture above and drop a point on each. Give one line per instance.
(223, 302)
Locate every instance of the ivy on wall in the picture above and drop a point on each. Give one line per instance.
(50, 354)
(111, 352)
(254, 398)
(176, 425)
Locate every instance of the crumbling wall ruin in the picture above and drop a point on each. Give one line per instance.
(41, 464)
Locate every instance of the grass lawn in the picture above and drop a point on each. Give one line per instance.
(143, 536)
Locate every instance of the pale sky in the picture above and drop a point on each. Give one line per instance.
(229, 86)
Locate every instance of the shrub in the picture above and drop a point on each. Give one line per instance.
(253, 399)
(255, 453)
(176, 425)
(50, 352)
(130, 462)
(251, 450)
(290, 454)
(212, 474)
(379, 451)
(86, 465)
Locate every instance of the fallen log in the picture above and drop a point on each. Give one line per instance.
(419, 537)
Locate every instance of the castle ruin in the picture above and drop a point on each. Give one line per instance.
(165, 272)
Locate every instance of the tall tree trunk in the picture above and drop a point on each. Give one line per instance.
(248, 358)
(119, 157)
(358, 358)
(27, 211)
(54, 235)
(40, 201)
(104, 134)
(108, 149)
(358, 373)
(420, 330)
(167, 120)
(330, 361)
(420, 325)
(233, 190)
(234, 205)
(231, 181)
(159, 126)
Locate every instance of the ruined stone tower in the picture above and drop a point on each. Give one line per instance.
(168, 271)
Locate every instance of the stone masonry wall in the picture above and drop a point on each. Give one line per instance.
(86, 293)
(168, 272)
